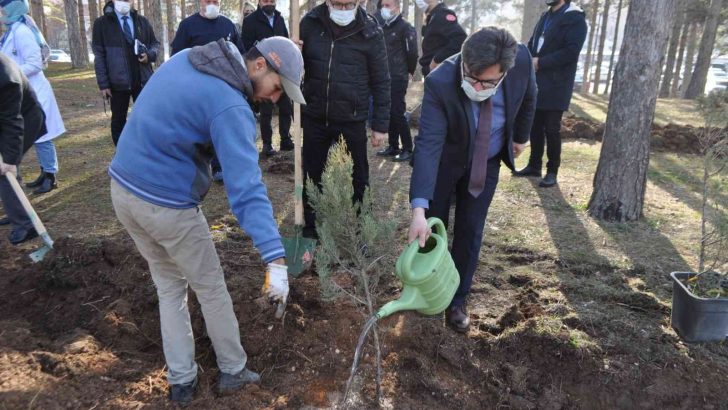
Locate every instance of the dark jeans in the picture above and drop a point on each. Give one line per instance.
(317, 139)
(119, 109)
(470, 214)
(13, 208)
(285, 113)
(546, 129)
(398, 126)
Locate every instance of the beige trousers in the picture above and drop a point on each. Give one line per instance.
(178, 246)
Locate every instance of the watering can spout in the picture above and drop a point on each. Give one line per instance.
(409, 300)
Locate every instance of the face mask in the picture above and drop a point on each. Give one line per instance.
(478, 96)
(387, 14)
(212, 11)
(269, 10)
(422, 4)
(342, 17)
(122, 7)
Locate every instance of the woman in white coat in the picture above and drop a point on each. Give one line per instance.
(24, 43)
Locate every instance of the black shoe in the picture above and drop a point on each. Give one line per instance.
(286, 144)
(403, 156)
(548, 181)
(528, 171)
(38, 181)
(4, 221)
(20, 235)
(388, 152)
(182, 394)
(48, 184)
(457, 318)
(268, 151)
(229, 383)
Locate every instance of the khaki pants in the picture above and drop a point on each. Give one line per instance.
(178, 246)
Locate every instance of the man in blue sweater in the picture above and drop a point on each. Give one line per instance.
(198, 100)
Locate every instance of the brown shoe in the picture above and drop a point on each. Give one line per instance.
(457, 318)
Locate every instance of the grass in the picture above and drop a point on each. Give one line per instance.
(668, 110)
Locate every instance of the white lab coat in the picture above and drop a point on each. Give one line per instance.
(22, 47)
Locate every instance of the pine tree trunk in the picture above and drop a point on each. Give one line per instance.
(36, 10)
(405, 9)
(79, 58)
(93, 12)
(182, 10)
(588, 61)
(621, 176)
(690, 57)
(102, 3)
(600, 52)
(671, 55)
(82, 28)
(154, 14)
(172, 18)
(419, 22)
(680, 57)
(531, 13)
(707, 43)
(473, 16)
(614, 48)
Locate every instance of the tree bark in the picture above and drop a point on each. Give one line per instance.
(79, 58)
(621, 176)
(36, 11)
(102, 3)
(587, 62)
(405, 9)
(82, 28)
(154, 14)
(707, 43)
(671, 55)
(473, 14)
(172, 18)
(690, 57)
(182, 10)
(93, 11)
(531, 13)
(614, 47)
(419, 22)
(600, 52)
(680, 56)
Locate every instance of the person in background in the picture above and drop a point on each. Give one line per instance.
(555, 45)
(477, 112)
(202, 28)
(442, 36)
(21, 123)
(120, 72)
(248, 9)
(263, 23)
(401, 41)
(25, 45)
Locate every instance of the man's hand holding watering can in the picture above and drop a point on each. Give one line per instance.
(418, 227)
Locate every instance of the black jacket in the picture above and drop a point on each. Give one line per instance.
(557, 59)
(111, 51)
(401, 40)
(256, 27)
(342, 73)
(21, 116)
(447, 125)
(442, 36)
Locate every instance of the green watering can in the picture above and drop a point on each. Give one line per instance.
(428, 275)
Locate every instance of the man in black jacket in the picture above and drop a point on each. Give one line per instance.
(345, 61)
(442, 36)
(120, 71)
(401, 40)
(266, 22)
(555, 45)
(21, 123)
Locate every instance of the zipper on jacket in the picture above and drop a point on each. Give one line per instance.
(328, 74)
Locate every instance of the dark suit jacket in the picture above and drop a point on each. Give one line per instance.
(447, 125)
(256, 28)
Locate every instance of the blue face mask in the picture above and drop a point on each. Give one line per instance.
(14, 11)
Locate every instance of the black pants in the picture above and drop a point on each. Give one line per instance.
(119, 109)
(317, 140)
(285, 113)
(470, 215)
(546, 129)
(398, 126)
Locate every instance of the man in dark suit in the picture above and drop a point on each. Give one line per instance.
(266, 22)
(476, 112)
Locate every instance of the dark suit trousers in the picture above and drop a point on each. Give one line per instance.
(317, 140)
(470, 214)
(119, 109)
(285, 113)
(546, 129)
(398, 126)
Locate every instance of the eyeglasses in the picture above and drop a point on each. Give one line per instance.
(484, 84)
(342, 6)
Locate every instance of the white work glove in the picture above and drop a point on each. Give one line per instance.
(275, 287)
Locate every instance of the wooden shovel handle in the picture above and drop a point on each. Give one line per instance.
(37, 224)
(294, 23)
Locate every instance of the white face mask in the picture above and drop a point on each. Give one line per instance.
(342, 17)
(388, 14)
(473, 94)
(422, 4)
(122, 7)
(212, 11)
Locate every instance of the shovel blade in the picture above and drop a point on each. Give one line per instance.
(38, 255)
(299, 254)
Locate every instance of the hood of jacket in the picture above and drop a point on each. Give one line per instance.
(222, 60)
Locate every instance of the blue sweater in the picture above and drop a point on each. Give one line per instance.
(164, 152)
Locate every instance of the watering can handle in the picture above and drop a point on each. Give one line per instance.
(411, 251)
